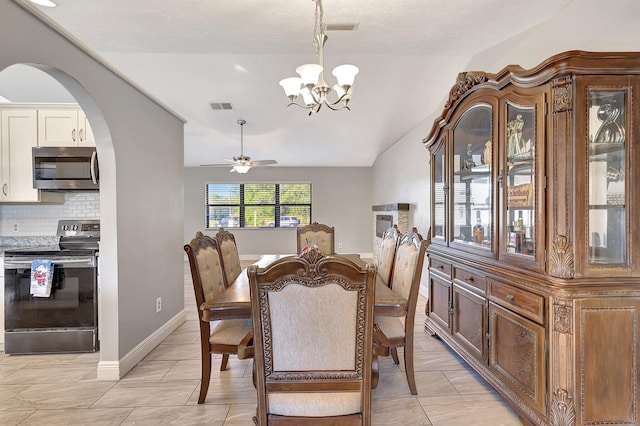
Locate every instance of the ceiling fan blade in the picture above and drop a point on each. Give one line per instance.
(230, 163)
(263, 162)
(242, 163)
(216, 165)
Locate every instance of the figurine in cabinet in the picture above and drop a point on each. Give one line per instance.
(487, 152)
(514, 136)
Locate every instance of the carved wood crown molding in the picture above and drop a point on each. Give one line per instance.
(465, 82)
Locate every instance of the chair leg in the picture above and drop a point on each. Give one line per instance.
(205, 377)
(225, 360)
(394, 355)
(375, 372)
(408, 366)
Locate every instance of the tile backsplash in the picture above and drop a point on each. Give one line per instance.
(42, 219)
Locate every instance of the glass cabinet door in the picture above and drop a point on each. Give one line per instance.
(519, 180)
(606, 176)
(439, 194)
(472, 192)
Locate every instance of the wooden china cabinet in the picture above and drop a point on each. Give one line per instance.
(535, 249)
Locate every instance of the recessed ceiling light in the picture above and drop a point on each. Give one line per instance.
(45, 3)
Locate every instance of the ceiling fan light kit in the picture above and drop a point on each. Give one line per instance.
(242, 164)
(311, 85)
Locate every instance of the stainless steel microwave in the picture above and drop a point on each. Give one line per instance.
(65, 168)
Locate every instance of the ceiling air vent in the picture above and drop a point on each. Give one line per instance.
(221, 106)
(342, 27)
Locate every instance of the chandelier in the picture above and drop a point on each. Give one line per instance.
(311, 85)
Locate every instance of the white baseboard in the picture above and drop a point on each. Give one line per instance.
(115, 370)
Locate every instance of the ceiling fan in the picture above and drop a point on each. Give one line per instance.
(242, 163)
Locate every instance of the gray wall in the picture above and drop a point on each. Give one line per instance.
(141, 193)
(341, 198)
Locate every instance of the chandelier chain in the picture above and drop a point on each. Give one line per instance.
(318, 25)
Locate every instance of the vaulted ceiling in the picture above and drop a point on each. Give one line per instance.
(191, 53)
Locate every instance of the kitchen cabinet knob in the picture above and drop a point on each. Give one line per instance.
(510, 297)
(468, 278)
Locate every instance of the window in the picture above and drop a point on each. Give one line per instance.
(257, 205)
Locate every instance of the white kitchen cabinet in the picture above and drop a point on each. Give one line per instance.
(64, 127)
(18, 134)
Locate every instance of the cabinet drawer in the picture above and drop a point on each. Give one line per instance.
(471, 278)
(440, 266)
(521, 301)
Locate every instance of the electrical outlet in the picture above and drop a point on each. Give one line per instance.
(16, 227)
(339, 245)
(158, 304)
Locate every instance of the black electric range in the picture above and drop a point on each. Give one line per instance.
(64, 318)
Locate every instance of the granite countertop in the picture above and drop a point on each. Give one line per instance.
(9, 243)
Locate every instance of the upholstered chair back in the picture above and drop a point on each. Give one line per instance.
(312, 319)
(224, 336)
(384, 260)
(230, 257)
(407, 267)
(206, 267)
(319, 234)
(392, 332)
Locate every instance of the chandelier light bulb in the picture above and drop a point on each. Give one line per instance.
(309, 73)
(345, 74)
(311, 84)
(291, 86)
(307, 98)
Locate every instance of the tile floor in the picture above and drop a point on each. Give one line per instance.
(163, 388)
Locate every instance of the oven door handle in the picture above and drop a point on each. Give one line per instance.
(88, 261)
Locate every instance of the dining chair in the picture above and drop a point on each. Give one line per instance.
(396, 332)
(230, 258)
(386, 254)
(319, 234)
(208, 281)
(313, 353)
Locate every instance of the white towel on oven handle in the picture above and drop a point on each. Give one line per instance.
(41, 277)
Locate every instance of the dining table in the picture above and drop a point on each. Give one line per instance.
(235, 301)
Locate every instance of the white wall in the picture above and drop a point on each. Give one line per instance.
(590, 25)
(341, 197)
(140, 145)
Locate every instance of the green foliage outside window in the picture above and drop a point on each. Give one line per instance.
(258, 205)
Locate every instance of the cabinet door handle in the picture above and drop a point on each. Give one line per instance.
(81, 134)
(468, 278)
(441, 267)
(4, 189)
(510, 297)
(73, 135)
